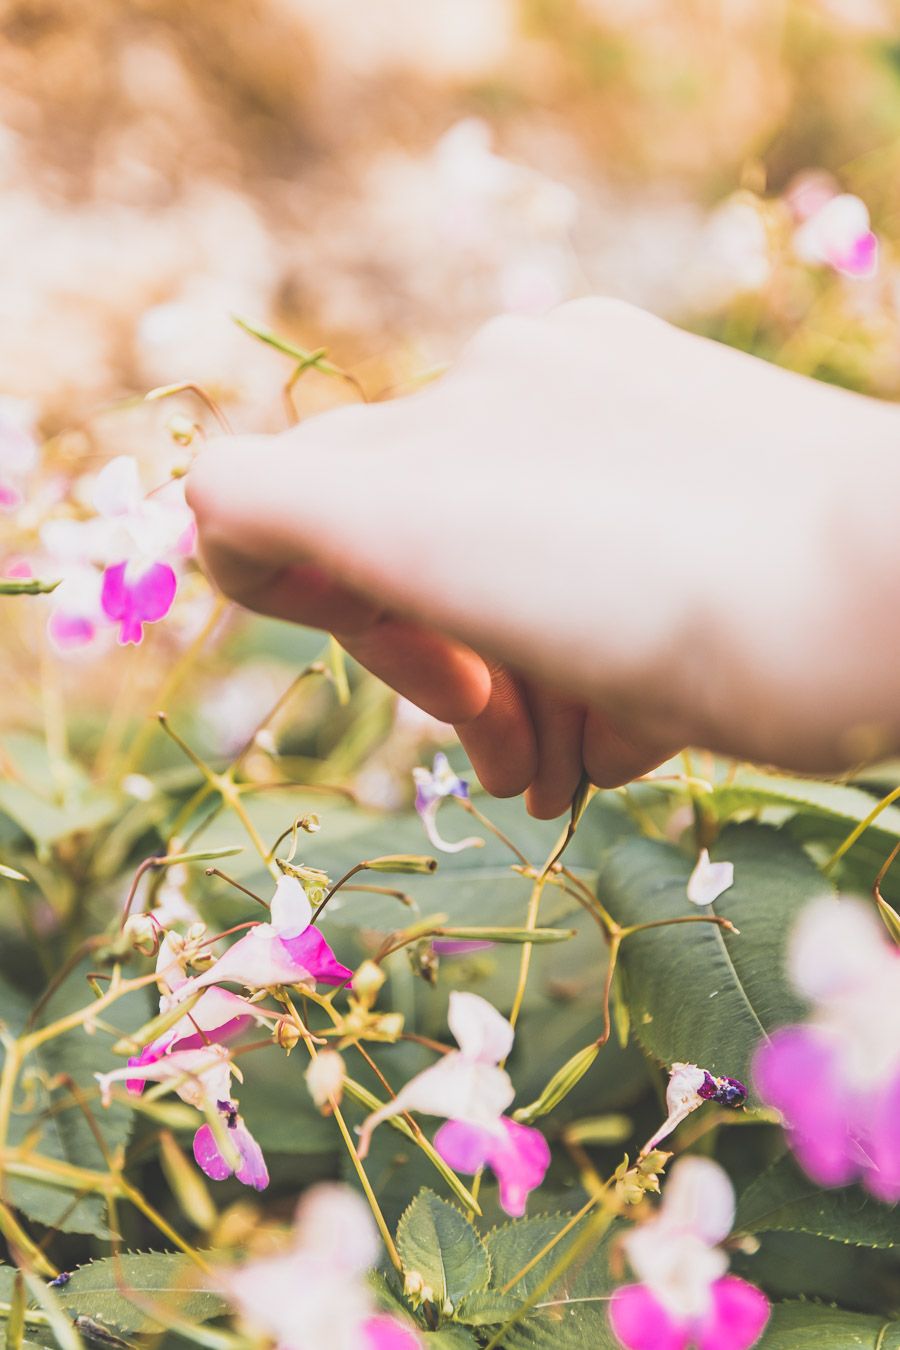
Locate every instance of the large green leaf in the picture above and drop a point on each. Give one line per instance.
(572, 1315)
(784, 1198)
(436, 1241)
(695, 992)
(809, 1326)
(751, 789)
(131, 1293)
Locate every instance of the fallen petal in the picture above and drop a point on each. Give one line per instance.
(709, 880)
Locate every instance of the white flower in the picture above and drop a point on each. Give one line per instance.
(709, 880)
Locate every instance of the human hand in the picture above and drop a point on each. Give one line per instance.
(596, 539)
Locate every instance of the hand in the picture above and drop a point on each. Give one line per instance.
(598, 538)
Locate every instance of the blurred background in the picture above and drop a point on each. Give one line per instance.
(380, 177)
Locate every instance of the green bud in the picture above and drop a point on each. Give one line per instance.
(538, 936)
(401, 862)
(560, 1085)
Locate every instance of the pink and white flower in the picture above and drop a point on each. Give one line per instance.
(685, 1298)
(432, 786)
(286, 950)
(709, 880)
(835, 232)
(202, 1078)
(315, 1292)
(688, 1088)
(470, 1089)
(836, 1077)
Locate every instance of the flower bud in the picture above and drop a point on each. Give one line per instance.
(286, 1033)
(325, 1078)
(181, 429)
(142, 934)
(560, 1085)
(367, 983)
(416, 1290)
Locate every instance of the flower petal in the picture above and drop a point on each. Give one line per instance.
(464, 1147)
(481, 1032)
(796, 1072)
(709, 880)
(208, 1157)
(386, 1333)
(739, 1313)
(835, 945)
(252, 1170)
(882, 1177)
(698, 1196)
(454, 1087)
(291, 910)
(428, 816)
(311, 953)
(641, 1323)
(519, 1160)
(133, 602)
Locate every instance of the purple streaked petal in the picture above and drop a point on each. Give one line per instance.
(735, 1322)
(519, 1160)
(386, 1333)
(252, 1171)
(882, 1176)
(796, 1072)
(640, 1323)
(312, 955)
(464, 1147)
(207, 1155)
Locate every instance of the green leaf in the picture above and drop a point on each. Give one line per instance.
(487, 1308)
(450, 1338)
(101, 1291)
(570, 1316)
(783, 1198)
(722, 992)
(749, 789)
(436, 1241)
(809, 1326)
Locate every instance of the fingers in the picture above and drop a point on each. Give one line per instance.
(444, 677)
(558, 728)
(500, 741)
(612, 757)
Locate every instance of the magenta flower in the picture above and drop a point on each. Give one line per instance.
(202, 1078)
(471, 1091)
(133, 595)
(836, 234)
(287, 950)
(685, 1299)
(688, 1088)
(836, 1077)
(432, 786)
(314, 1293)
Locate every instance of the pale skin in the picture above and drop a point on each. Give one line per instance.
(595, 540)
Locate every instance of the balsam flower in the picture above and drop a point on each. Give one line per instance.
(471, 1091)
(688, 1088)
(836, 1077)
(315, 1292)
(286, 950)
(837, 234)
(709, 880)
(685, 1298)
(432, 786)
(202, 1078)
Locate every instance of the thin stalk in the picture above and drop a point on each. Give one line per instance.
(861, 829)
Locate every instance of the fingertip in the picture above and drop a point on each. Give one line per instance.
(500, 741)
(613, 757)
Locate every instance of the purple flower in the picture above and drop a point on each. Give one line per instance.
(688, 1088)
(287, 950)
(685, 1298)
(314, 1291)
(252, 1170)
(134, 594)
(471, 1091)
(432, 786)
(836, 1078)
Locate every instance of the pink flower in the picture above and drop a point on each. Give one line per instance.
(315, 1292)
(287, 950)
(202, 1078)
(685, 1298)
(837, 235)
(133, 595)
(836, 1077)
(432, 786)
(688, 1088)
(471, 1091)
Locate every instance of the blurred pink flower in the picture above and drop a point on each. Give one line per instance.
(837, 234)
(315, 1292)
(469, 1088)
(685, 1298)
(836, 1077)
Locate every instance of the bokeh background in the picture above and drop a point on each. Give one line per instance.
(380, 177)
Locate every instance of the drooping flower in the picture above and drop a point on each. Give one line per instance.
(468, 1087)
(314, 1293)
(202, 1078)
(134, 594)
(286, 950)
(837, 234)
(432, 786)
(688, 1088)
(709, 880)
(685, 1299)
(836, 1077)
